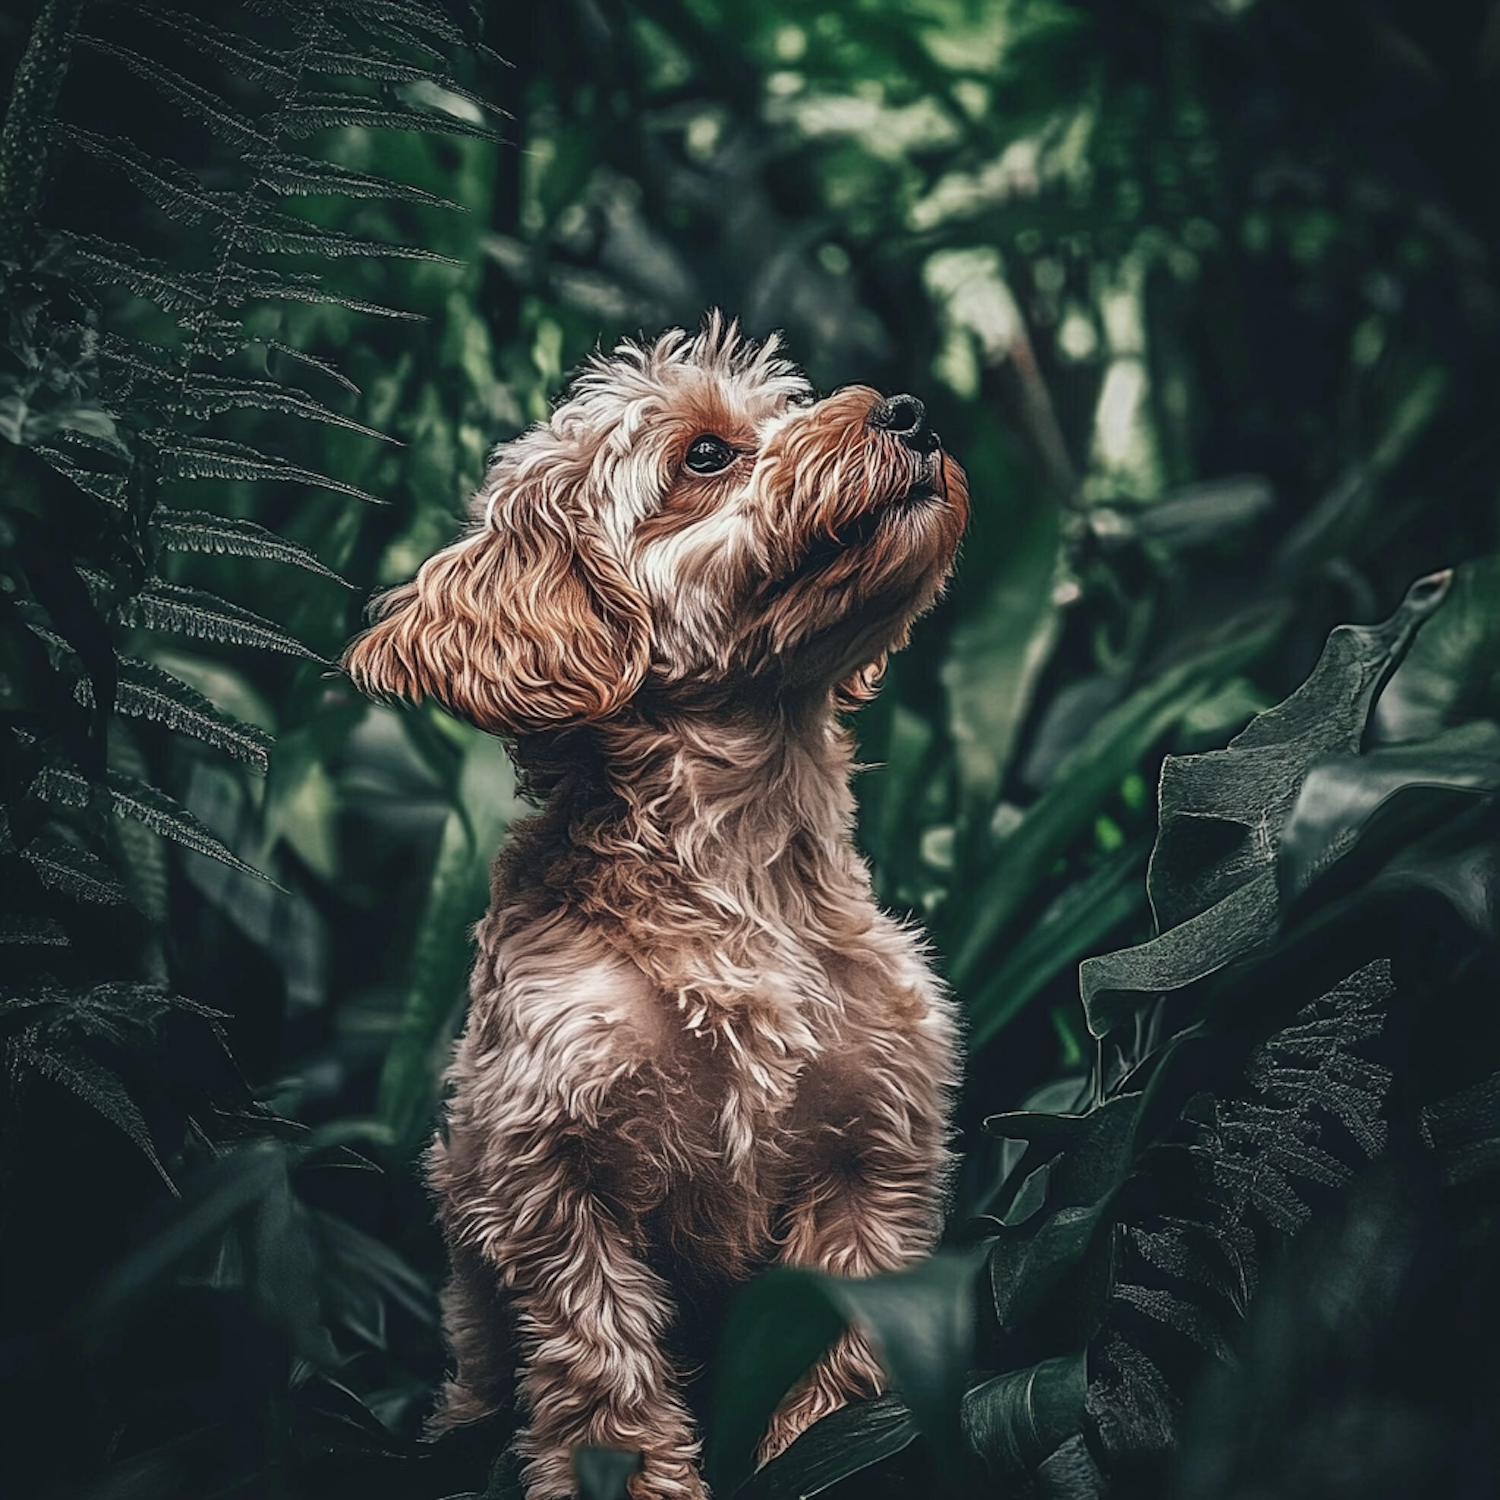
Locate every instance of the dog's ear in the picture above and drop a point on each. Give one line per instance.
(524, 625)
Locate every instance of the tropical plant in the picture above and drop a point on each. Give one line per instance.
(1203, 297)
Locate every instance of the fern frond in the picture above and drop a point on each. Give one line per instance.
(65, 867)
(295, 176)
(191, 457)
(246, 59)
(343, 110)
(170, 187)
(240, 283)
(91, 1082)
(310, 360)
(205, 395)
(388, 68)
(110, 488)
(203, 531)
(152, 807)
(271, 233)
(206, 617)
(144, 691)
(406, 22)
(32, 932)
(101, 262)
(222, 118)
(132, 798)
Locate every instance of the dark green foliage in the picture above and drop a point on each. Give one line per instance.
(1204, 299)
(1272, 1047)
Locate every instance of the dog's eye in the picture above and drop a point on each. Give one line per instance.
(709, 454)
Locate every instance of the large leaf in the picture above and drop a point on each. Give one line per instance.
(1087, 776)
(921, 1323)
(1015, 1420)
(850, 1439)
(1212, 878)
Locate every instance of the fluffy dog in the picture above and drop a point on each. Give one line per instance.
(695, 1041)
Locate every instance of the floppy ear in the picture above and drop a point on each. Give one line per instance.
(518, 628)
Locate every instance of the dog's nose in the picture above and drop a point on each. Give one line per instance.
(906, 418)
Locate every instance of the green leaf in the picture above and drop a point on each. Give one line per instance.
(602, 1473)
(101, 262)
(335, 111)
(1451, 674)
(169, 186)
(441, 954)
(300, 176)
(75, 872)
(205, 395)
(1015, 1420)
(1212, 877)
(846, 1441)
(206, 617)
(145, 691)
(920, 1322)
(1086, 778)
(1383, 801)
(203, 531)
(34, 932)
(198, 457)
(1072, 925)
(221, 118)
(91, 1082)
(210, 1201)
(996, 658)
(779, 1325)
(269, 233)
(147, 804)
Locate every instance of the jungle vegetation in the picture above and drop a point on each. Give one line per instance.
(1191, 776)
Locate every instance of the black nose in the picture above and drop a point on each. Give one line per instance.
(906, 418)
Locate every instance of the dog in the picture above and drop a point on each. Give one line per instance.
(694, 1039)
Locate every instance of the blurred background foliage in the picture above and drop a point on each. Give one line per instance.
(1202, 293)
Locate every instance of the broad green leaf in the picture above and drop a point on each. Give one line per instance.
(210, 1200)
(1212, 877)
(1384, 800)
(844, 1442)
(602, 1473)
(1015, 1420)
(996, 657)
(1084, 780)
(778, 1327)
(920, 1322)
(1073, 924)
(1452, 672)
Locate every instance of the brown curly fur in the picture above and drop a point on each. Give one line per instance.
(691, 1028)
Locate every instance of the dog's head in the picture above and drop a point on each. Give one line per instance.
(689, 515)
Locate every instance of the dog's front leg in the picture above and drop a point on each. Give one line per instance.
(868, 1198)
(590, 1317)
(543, 1218)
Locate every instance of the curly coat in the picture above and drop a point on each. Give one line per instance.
(692, 1030)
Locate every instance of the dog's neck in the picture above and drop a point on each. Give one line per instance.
(698, 820)
(734, 786)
